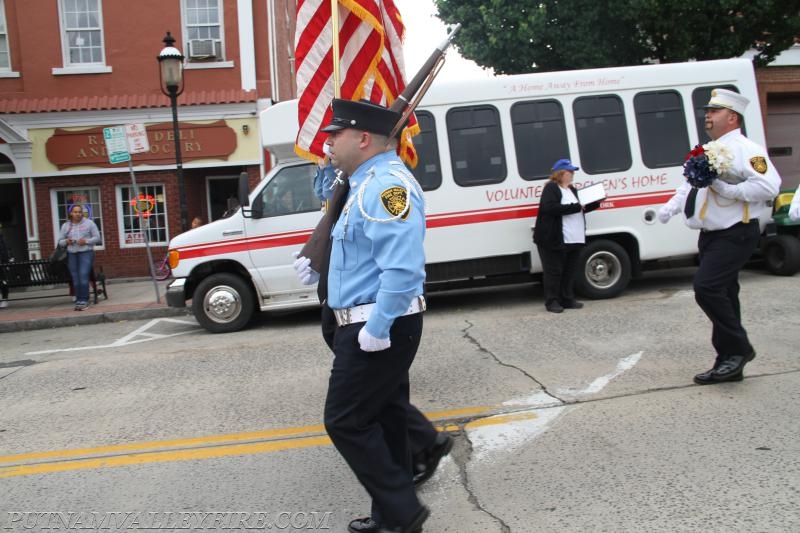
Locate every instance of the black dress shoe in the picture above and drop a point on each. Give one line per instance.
(425, 463)
(554, 307)
(363, 525)
(572, 304)
(729, 369)
(415, 526)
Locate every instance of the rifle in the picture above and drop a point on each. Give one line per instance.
(316, 248)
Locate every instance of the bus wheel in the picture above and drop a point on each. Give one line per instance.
(604, 270)
(782, 255)
(223, 303)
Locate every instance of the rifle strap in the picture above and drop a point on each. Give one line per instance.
(336, 205)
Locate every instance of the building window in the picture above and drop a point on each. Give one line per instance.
(661, 123)
(5, 55)
(203, 30)
(540, 137)
(142, 217)
(602, 134)
(476, 145)
(82, 32)
(88, 197)
(428, 170)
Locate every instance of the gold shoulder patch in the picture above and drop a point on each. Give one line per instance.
(394, 200)
(759, 164)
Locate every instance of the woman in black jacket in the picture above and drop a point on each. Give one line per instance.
(559, 234)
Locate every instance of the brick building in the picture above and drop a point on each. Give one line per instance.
(70, 68)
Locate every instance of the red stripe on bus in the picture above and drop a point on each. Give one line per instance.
(460, 218)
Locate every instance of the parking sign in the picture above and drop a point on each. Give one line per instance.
(116, 144)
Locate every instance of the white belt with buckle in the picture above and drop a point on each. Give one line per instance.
(360, 313)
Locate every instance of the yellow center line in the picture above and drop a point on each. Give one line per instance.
(201, 447)
(267, 434)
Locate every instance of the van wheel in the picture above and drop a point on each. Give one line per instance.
(604, 270)
(782, 255)
(223, 303)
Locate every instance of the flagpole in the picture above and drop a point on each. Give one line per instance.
(337, 89)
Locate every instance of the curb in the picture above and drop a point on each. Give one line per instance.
(98, 318)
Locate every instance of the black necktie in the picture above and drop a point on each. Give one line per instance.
(691, 199)
(337, 204)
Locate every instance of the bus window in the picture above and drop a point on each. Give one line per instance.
(428, 170)
(540, 137)
(476, 145)
(700, 98)
(602, 135)
(661, 123)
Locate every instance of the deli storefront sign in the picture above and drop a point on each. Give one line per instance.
(86, 147)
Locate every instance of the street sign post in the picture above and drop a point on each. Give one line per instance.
(121, 142)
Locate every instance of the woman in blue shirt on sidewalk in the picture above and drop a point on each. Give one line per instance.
(79, 234)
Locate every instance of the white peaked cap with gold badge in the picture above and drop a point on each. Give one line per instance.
(723, 98)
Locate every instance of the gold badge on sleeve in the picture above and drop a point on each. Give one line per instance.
(759, 164)
(394, 200)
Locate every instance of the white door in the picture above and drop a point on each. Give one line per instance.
(289, 211)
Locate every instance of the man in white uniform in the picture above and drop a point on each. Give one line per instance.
(727, 214)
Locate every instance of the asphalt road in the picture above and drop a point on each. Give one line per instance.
(583, 421)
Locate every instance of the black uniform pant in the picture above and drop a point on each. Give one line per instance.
(421, 433)
(558, 272)
(723, 253)
(366, 416)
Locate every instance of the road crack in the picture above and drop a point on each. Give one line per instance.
(491, 354)
(462, 456)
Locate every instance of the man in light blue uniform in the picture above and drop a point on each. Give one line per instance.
(375, 289)
(428, 446)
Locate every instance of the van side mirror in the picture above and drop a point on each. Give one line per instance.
(243, 190)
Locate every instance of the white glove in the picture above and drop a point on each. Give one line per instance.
(302, 265)
(794, 211)
(664, 214)
(369, 343)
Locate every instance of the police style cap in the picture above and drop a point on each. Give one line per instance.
(725, 99)
(564, 164)
(361, 115)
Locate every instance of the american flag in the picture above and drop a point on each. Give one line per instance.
(371, 65)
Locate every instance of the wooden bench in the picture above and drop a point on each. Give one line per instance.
(43, 273)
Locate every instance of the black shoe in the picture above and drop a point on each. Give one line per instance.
(729, 369)
(363, 525)
(425, 463)
(554, 307)
(414, 527)
(572, 304)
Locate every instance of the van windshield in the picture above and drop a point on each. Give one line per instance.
(291, 190)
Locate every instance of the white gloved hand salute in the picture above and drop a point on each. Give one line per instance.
(369, 343)
(306, 274)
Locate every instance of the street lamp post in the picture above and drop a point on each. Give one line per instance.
(170, 62)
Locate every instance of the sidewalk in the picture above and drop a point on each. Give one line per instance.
(128, 299)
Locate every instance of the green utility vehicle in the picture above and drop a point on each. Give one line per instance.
(780, 243)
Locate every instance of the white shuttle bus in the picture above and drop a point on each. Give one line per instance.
(485, 153)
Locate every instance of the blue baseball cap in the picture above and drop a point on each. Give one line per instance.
(564, 164)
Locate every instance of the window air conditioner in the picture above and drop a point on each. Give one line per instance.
(205, 48)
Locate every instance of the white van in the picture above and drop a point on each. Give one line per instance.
(485, 152)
